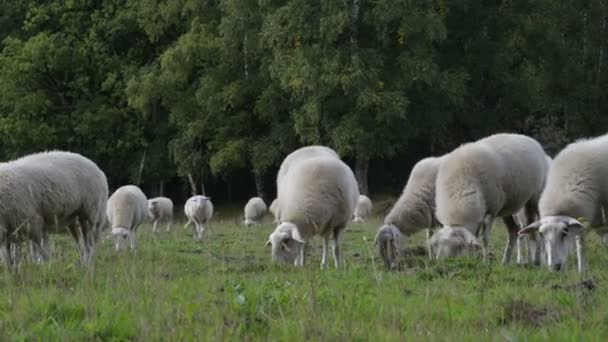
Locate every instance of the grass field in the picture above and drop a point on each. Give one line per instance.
(225, 288)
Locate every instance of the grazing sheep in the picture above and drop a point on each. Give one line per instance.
(363, 209)
(160, 209)
(317, 197)
(413, 211)
(577, 187)
(532, 242)
(296, 156)
(274, 210)
(453, 241)
(43, 191)
(255, 209)
(492, 177)
(127, 209)
(198, 210)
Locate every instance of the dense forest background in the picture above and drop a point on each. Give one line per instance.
(177, 95)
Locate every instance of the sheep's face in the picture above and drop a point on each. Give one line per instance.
(200, 202)
(453, 241)
(287, 244)
(121, 238)
(388, 240)
(558, 233)
(153, 209)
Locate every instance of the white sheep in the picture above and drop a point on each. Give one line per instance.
(255, 209)
(577, 187)
(160, 210)
(363, 209)
(413, 211)
(43, 191)
(274, 210)
(452, 241)
(198, 210)
(299, 155)
(317, 196)
(127, 210)
(492, 177)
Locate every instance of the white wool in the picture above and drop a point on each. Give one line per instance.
(198, 210)
(363, 209)
(45, 191)
(127, 209)
(160, 209)
(255, 209)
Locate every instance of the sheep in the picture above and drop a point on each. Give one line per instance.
(452, 241)
(255, 209)
(363, 209)
(531, 242)
(492, 177)
(160, 209)
(296, 156)
(274, 210)
(413, 211)
(127, 209)
(198, 210)
(317, 196)
(43, 191)
(576, 188)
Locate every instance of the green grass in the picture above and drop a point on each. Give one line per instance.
(225, 288)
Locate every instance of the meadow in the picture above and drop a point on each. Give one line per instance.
(226, 288)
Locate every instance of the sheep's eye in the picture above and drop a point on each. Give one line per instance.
(564, 233)
(541, 235)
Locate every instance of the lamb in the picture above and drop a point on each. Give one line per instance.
(492, 177)
(363, 209)
(274, 210)
(127, 209)
(199, 210)
(160, 209)
(413, 211)
(298, 155)
(317, 196)
(576, 188)
(255, 209)
(42, 191)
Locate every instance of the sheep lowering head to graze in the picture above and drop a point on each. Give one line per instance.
(160, 209)
(413, 211)
(363, 209)
(317, 196)
(198, 210)
(492, 177)
(274, 207)
(255, 209)
(44, 191)
(451, 242)
(127, 209)
(577, 187)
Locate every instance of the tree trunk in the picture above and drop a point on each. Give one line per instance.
(203, 188)
(141, 169)
(161, 188)
(259, 185)
(192, 184)
(361, 167)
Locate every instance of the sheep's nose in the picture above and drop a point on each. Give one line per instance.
(557, 267)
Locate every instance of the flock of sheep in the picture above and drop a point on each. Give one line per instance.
(455, 197)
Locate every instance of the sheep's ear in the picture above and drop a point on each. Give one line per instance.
(295, 235)
(573, 223)
(268, 243)
(530, 229)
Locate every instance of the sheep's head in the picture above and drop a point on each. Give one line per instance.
(120, 236)
(200, 201)
(286, 242)
(557, 233)
(453, 241)
(153, 208)
(388, 240)
(358, 219)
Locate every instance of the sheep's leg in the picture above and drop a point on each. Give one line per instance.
(429, 233)
(169, 226)
(520, 248)
(485, 240)
(187, 224)
(154, 226)
(335, 246)
(324, 256)
(132, 240)
(512, 229)
(580, 252)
